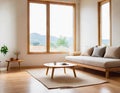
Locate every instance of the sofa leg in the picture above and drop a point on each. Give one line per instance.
(107, 74)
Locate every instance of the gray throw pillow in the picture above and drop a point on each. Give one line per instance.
(98, 51)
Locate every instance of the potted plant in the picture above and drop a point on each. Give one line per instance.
(4, 50)
(17, 53)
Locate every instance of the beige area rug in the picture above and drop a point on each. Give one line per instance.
(62, 80)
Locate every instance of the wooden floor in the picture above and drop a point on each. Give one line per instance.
(19, 81)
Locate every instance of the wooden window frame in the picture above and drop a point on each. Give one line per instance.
(48, 2)
(101, 2)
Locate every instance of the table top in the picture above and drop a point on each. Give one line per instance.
(59, 64)
(19, 60)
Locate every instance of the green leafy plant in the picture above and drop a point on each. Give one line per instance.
(4, 50)
(62, 41)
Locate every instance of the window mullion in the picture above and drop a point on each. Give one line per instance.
(74, 28)
(48, 28)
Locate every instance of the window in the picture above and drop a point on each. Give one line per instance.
(51, 27)
(37, 27)
(104, 25)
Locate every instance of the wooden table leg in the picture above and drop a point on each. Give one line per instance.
(74, 72)
(8, 65)
(64, 70)
(19, 64)
(107, 74)
(52, 73)
(47, 70)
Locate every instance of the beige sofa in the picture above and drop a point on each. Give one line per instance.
(108, 60)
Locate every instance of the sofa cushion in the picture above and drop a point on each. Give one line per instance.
(88, 52)
(95, 61)
(98, 51)
(112, 52)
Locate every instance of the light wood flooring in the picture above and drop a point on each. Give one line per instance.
(19, 81)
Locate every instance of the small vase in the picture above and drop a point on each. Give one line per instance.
(16, 57)
(11, 59)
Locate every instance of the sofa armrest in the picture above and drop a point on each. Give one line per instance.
(76, 53)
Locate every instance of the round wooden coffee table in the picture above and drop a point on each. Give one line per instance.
(59, 65)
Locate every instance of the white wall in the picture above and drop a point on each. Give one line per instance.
(8, 29)
(88, 24)
(115, 22)
(32, 59)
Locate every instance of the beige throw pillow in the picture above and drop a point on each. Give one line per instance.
(112, 52)
(88, 52)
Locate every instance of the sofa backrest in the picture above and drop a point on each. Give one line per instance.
(100, 51)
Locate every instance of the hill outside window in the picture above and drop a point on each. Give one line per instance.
(51, 27)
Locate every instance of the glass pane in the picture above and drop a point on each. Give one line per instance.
(105, 24)
(61, 28)
(37, 27)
